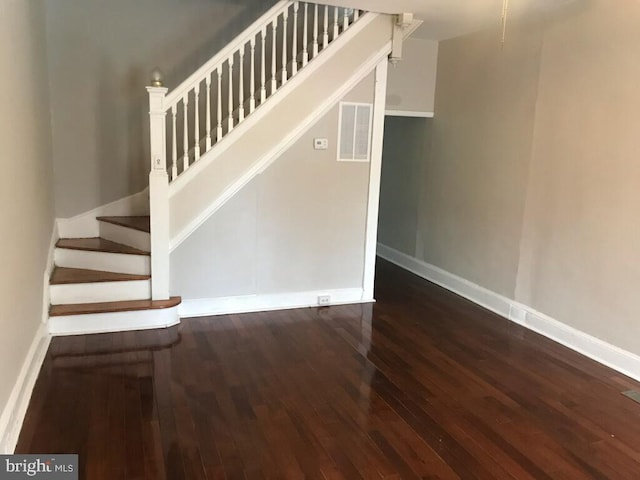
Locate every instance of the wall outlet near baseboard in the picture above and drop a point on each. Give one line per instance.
(324, 300)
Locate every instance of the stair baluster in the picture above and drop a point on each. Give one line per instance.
(196, 127)
(219, 106)
(185, 132)
(294, 42)
(174, 143)
(252, 80)
(208, 121)
(316, 20)
(230, 103)
(325, 34)
(263, 79)
(305, 40)
(241, 84)
(285, 75)
(274, 49)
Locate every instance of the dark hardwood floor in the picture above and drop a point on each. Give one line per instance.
(423, 384)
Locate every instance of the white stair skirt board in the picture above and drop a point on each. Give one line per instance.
(86, 225)
(16, 407)
(126, 236)
(113, 321)
(103, 261)
(100, 292)
(613, 357)
(260, 303)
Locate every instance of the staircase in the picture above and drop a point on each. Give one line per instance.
(209, 137)
(103, 283)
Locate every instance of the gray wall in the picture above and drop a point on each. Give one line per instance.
(298, 226)
(530, 186)
(100, 56)
(25, 186)
(580, 259)
(407, 144)
(411, 83)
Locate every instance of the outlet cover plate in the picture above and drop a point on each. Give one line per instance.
(324, 300)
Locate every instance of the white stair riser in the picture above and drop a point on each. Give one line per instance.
(100, 292)
(104, 261)
(113, 321)
(126, 236)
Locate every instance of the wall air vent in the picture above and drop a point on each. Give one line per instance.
(354, 130)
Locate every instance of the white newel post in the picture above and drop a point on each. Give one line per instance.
(158, 191)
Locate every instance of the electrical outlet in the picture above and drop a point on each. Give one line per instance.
(324, 300)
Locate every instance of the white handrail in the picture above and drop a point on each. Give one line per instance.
(223, 55)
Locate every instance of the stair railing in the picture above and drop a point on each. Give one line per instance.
(225, 91)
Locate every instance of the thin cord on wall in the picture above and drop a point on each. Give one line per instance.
(505, 11)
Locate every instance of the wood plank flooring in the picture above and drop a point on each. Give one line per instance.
(420, 385)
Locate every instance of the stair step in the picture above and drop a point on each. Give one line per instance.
(97, 244)
(110, 307)
(65, 276)
(141, 223)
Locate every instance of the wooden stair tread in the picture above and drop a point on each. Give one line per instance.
(141, 223)
(63, 275)
(97, 244)
(110, 307)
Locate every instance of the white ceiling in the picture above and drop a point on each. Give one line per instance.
(451, 18)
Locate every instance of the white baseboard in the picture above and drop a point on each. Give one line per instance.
(614, 357)
(259, 303)
(85, 225)
(477, 294)
(16, 408)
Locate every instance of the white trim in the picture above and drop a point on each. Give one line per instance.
(614, 357)
(85, 225)
(113, 321)
(369, 106)
(16, 408)
(408, 113)
(279, 149)
(261, 303)
(375, 172)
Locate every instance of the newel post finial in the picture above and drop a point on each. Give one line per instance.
(157, 78)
